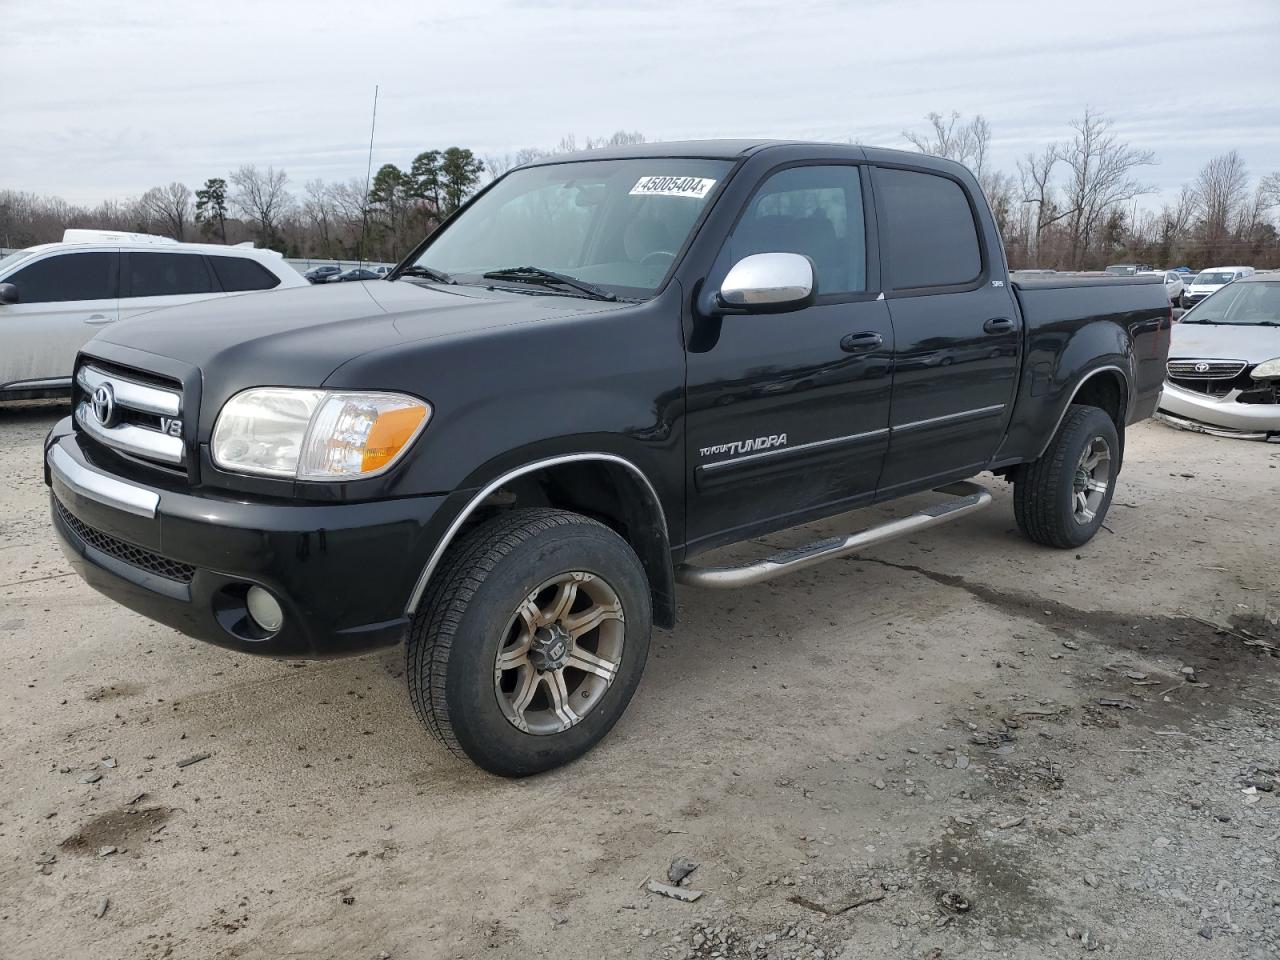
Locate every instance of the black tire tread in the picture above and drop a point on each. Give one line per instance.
(1034, 504)
(461, 574)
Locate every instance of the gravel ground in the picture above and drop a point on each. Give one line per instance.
(956, 745)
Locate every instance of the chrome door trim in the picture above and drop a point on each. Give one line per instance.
(100, 487)
(437, 554)
(46, 383)
(799, 448)
(950, 417)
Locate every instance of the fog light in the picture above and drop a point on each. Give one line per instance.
(265, 609)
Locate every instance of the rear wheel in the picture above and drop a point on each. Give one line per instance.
(1062, 499)
(530, 641)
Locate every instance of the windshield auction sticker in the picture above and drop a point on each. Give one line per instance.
(695, 187)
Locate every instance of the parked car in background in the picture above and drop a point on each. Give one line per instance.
(54, 297)
(383, 270)
(1127, 269)
(355, 273)
(1208, 282)
(1173, 282)
(323, 273)
(1224, 362)
(508, 453)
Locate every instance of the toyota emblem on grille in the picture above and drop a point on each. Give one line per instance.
(104, 404)
(1202, 367)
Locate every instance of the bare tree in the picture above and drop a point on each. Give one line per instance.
(1269, 188)
(948, 137)
(1222, 193)
(1101, 177)
(260, 195)
(318, 211)
(171, 206)
(1036, 175)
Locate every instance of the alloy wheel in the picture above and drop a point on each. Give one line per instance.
(561, 652)
(1092, 480)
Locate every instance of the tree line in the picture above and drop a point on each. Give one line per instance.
(1078, 203)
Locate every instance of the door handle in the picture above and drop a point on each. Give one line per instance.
(998, 325)
(97, 319)
(861, 342)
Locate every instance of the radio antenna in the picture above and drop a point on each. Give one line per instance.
(368, 176)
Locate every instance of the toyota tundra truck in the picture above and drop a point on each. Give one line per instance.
(605, 366)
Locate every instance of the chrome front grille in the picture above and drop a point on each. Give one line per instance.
(1206, 369)
(139, 419)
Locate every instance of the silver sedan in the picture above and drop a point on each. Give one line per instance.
(1224, 362)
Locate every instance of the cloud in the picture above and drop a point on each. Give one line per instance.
(99, 105)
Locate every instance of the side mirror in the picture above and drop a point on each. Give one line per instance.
(769, 283)
(8, 293)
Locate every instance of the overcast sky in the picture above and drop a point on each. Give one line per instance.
(106, 99)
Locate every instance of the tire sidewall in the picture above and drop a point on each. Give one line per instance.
(1096, 424)
(482, 729)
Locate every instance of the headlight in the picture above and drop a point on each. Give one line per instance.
(1267, 369)
(315, 434)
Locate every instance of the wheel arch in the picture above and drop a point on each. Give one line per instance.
(604, 486)
(1107, 388)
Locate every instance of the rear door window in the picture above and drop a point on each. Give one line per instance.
(68, 276)
(929, 237)
(166, 275)
(237, 274)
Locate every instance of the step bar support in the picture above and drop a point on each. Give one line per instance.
(965, 496)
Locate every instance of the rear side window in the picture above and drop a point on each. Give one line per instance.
(166, 275)
(69, 276)
(240, 273)
(930, 238)
(811, 210)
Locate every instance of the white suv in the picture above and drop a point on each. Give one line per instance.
(1210, 281)
(56, 296)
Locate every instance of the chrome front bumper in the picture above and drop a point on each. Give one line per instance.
(1223, 414)
(102, 487)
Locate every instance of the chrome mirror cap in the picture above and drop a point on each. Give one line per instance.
(769, 282)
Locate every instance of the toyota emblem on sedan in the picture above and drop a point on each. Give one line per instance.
(1202, 367)
(104, 404)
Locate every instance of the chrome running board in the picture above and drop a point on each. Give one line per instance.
(967, 497)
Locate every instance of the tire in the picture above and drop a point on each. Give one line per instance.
(495, 585)
(1047, 494)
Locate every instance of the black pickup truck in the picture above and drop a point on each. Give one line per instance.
(507, 454)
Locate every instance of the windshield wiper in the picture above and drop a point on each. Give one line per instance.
(418, 270)
(541, 276)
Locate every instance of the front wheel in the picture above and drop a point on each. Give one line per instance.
(530, 641)
(1061, 499)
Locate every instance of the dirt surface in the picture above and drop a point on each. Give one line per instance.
(956, 745)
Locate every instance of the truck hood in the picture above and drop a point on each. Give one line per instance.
(1205, 341)
(299, 336)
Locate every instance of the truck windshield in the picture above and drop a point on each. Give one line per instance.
(1121, 271)
(1255, 303)
(1209, 279)
(617, 224)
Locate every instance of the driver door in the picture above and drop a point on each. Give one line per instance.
(788, 414)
